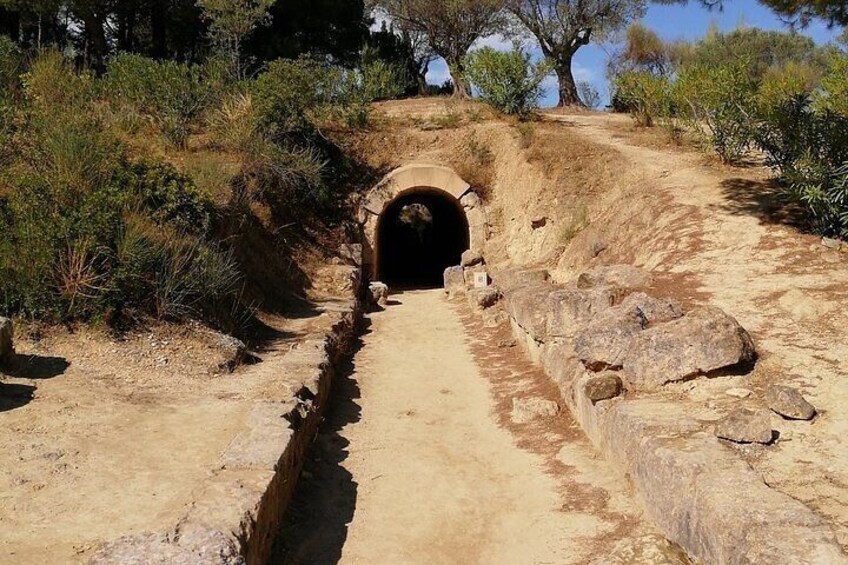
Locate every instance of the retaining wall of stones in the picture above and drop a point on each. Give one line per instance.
(237, 512)
(612, 349)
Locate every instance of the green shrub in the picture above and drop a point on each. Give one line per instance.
(805, 138)
(716, 102)
(171, 95)
(834, 85)
(170, 196)
(382, 80)
(168, 274)
(645, 95)
(287, 93)
(509, 81)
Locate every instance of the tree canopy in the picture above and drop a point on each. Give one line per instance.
(563, 26)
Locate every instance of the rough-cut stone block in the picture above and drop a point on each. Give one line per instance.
(789, 403)
(745, 425)
(625, 277)
(703, 341)
(7, 345)
(528, 409)
(470, 200)
(605, 341)
(602, 387)
(562, 366)
(482, 298)
(570, 309)
(454, 281)
(470, 275)
(378, 294)
(527, 306)
(471, 257)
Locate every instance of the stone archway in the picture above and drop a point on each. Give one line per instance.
(437, 189)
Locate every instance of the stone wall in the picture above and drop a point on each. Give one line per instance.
(237, 512)
(620, 357)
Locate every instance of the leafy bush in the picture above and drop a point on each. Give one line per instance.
(645, 95)
(287, 93)
(509, 81)
(171, 197)
(169, 94)
(716, 104)
(834, 95)
(382, 80)
(805, 139)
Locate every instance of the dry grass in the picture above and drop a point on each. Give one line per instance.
(474, 161)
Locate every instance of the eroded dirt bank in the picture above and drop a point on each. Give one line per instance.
(418, 462)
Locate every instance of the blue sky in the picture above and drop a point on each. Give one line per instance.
(670, 22)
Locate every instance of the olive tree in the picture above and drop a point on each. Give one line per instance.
(451, 28)
(564, 26)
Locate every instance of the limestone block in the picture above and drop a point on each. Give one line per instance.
(789, 403)
(705, 340)
(606, 340)
(745, 425)
(378, 294)
(528, 409)
(454, 278)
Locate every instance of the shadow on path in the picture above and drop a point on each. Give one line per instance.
(315, 527)
(15, 395)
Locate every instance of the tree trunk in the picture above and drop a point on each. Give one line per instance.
(461, 87)
(159, 37)
(568, 95)
(96, 36)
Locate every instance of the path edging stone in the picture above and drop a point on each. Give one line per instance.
(237, 511)
(699, 492)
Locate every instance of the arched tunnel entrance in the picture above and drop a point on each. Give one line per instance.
(419, 234)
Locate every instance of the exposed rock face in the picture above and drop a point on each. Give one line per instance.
(378, 294)
(603, 387)
(789, 403)
(745, 425)
(509, 280)
(7, 346)
(528, 409)
(625, 277)
(606, 340)
(705, 340)
(454, 281)
(471, 257)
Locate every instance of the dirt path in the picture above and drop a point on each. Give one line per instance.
(412, 465)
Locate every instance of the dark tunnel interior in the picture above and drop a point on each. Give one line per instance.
(420, 234)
